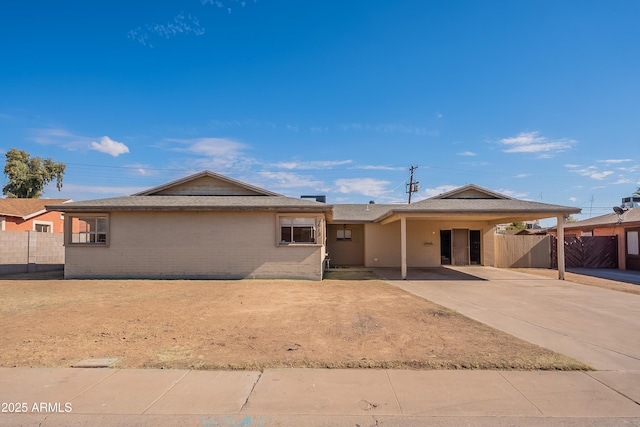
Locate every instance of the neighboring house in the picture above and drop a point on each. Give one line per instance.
(210, 226)
(30, 215)
(625, 226)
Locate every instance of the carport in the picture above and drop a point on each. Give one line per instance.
(473, 205)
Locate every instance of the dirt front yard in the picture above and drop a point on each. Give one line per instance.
(248, 324)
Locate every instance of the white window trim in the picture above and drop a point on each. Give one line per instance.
(318, 226)
(49, 223)
(68, 230)
(3, 221)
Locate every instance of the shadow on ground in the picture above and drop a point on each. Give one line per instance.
(41, 275)
(351, 275)
(426, 273)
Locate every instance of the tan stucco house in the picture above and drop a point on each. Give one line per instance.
(211, 226)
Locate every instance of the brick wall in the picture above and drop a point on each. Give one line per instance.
(214, 245)
(30, 251)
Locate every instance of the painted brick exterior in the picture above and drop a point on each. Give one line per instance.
(212, 245)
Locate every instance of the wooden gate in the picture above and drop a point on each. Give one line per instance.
(587, 252)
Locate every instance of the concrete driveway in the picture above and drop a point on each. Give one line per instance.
(597, 326)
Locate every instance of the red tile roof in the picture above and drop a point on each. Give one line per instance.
(26, 208)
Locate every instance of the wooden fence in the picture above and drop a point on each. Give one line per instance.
(528, 251)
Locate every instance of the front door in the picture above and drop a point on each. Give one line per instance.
(460, 247)
(474, 247)
(445, 247)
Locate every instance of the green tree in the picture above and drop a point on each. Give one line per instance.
(29, 175)
(570, 219)
(517, 226)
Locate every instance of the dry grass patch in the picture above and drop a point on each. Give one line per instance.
(249, 324)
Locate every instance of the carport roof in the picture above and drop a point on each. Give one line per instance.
(465, 203)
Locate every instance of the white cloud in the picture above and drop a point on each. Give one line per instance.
(614, 161)
(467, 153)
(289, 180)
(600, 175)
(211, 147)
(216, 154)
(61, 137)
(514, 194)
(592, 172)
(571, 166)
(140, 169)
(573, 199)
(623, 181)
(522, 175)
(430, 192)
(180, 24)
(72, 142)
(532, 142)
(366, 186)
(379, 168)
(109, 146)
(318, 164)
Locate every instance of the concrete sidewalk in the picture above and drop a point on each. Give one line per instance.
(316, 397)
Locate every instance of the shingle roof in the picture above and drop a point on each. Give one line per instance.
(211, 203)
(359, 213)
(26, 208)
(629, 217)
(469, 199)
(484, 206)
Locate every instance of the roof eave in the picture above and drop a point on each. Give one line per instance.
(87, 209)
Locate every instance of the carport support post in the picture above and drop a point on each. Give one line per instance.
(560, 246)
(403, 246)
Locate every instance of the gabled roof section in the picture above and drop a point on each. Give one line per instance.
(471, 191)
(629, 217)
(26, 208)
(206, 183)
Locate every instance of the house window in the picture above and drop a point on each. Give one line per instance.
(633, 247)
(344, 234)
(297, 230)
(42, 228)
(88, 230)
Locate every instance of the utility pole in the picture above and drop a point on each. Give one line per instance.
(412, 187)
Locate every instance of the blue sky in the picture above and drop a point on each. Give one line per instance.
(539, 100)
